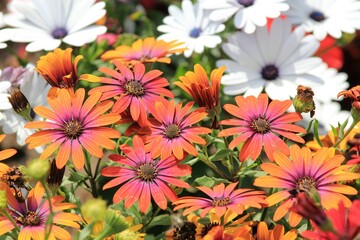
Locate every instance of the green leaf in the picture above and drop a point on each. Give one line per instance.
(85, 232)
(208, 181)
(220, 154)
(77, 177)
(342, 128)
(316, 132)
(163, 220)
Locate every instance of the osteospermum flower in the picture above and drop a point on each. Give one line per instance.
(324, 17)
(58, 69)
(205, 91)
(262, 232)
(345, 224)
(143, 177)
(221, 199)
(192, 26)
(47, 23)
(173, 131)
(134, 89)
(249, 14)
(260, 124)
(304, 171)
(32, 213)
(72, 125)
(148, 50)
(274, 60)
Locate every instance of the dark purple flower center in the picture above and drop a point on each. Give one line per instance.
(270, 72)
(73, 129)
(305, 184)
(195, 33)
(317, 16)
(172, 131)
(223, 201)
(147, 172)
(30, 219)
(135, 88)
(59, 33)
(246, 3)
(261, 125)
(187, 231)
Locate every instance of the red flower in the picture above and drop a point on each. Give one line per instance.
(330, 53)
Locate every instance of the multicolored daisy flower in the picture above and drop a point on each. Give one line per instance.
(72, 125)
(221, 199)
(33, 212)
(143, 177)
(304, 171)
(259, 123)
(133, 88)
(148, 50)
(172, 130)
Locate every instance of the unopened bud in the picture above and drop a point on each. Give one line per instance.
(55, 176)
(94, 210)
(127, 235)
(303, 101)
(37, 169)
(20, 104)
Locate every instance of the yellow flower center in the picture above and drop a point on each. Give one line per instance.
(135, 88)
(306, 184)
(73, 129)
(172, 131)
(147, 172)
(220, 202)
(261, 125)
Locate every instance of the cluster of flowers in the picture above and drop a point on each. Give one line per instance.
(120, 123)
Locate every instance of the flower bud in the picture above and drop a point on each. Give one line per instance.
(55, 176)
(94, 210)
(303, 101)
(37, 169)
(20, 104)
(127, 235)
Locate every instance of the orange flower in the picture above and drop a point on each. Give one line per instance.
(263, 233)
(58, 69)
(148, 50)
(306, 172)
(354, 94)
(73, 125)
(198, 86)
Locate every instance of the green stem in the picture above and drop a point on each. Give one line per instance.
(229, 156)
(97, 168)
(213, 166)
(152, 218)
(91, 178)
(345, 135)
(49, 221)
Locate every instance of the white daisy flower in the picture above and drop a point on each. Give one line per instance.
(277, 60)
(5, 34)
(35, 89)
(324, 17)
(249, 14)
(46, 23)
(191, 25)
(334, 82)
